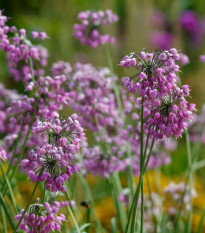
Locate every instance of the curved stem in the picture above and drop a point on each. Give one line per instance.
(5, 207)
(10, 189)
(190, 181)
(24, 212)
(130, 176)
(136, 196)
(142, 207)
(91, 201)
(3, 219)
(74, 220)
(115, 187)
(133, 225)
(16, 145)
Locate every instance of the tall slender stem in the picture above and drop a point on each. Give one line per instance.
(5, 207)
(91, 201)
(130, 176)
(74, 220)
(24, 212)
(133, 209)
(3, 219)
(190, 181)
(142, 206)
(23, 147)
(114, 184)
(16, 145)
(10, 189)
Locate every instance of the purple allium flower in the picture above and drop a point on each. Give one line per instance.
(202, 58)
(60, 68)
(161, 39)
(91, 95)
(17, 46)
(166, 112)
(97, 162)
(184, 59)
(192, 25)
(88, 32)
(54, 162)
(41, 218)
(189, 21)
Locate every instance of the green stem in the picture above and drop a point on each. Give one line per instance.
(115, 187)
(24, 212)
(23, 147)
(190, 180)
(10, 189)
(44, 193)
(136, 196)
(16, 145)
(91, 202)
(180, 207)
(130, 176)
(193, 167)
(5, 207)
(151, 200)
(142, 207)
(3, 220)
(32, 73)
(134, 203)
(133, 225)
(74, 220)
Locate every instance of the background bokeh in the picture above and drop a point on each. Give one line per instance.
(133, 32)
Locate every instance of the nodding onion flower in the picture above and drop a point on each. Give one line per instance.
(166, 111)
(54, 161)
(41, 218)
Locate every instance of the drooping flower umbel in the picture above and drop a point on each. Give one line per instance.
(41, 218)
(54, 161)
(166, 111)
(89, 30)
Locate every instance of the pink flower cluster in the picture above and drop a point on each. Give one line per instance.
(41, 218)
(97, 162)
(53, 163)
(88, 31)
(166, 112)
(92, 97)
(17, 47)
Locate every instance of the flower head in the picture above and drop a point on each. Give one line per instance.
(41, 218)
(88, 32)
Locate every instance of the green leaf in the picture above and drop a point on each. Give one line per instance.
(199, 230)
(113, 225)
(84, 226)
